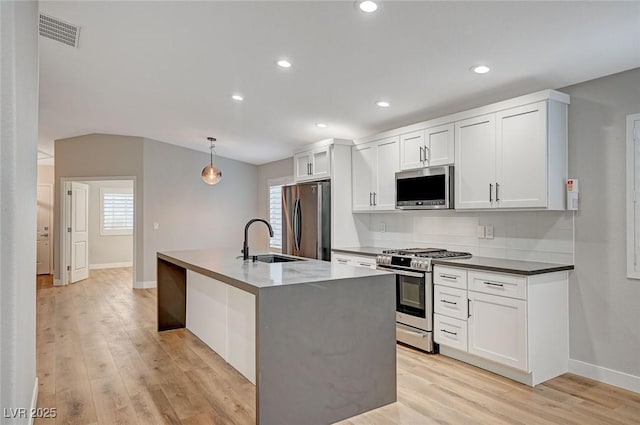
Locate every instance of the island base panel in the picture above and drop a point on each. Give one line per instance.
(172, 296)
(326, 351)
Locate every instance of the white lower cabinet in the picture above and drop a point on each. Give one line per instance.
(513, 325)
(498, 329)
(354, 260)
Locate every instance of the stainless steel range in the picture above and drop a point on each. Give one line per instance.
(414, 291)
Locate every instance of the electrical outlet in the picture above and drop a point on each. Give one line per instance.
(488, 232)
(481, 232)
(383, 226)
(156, 226)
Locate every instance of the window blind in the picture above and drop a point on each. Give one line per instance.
(275, 215)
(117, 213)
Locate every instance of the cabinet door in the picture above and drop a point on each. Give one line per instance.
(388, 156)
(439, 143)
(412, 150)
(497, 329)
(521, 157)
(321, 163)
(302, 164)
(363, 160)
(475, 162)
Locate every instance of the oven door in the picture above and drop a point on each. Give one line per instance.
(410, 293)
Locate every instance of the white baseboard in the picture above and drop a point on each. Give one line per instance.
(110, 265)
(603, 374)
(145, 284)
(57, 282)
(34, 401)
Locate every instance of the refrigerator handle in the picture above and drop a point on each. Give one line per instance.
(299, 234)
(296, 224)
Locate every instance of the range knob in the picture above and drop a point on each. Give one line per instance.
(383, 259)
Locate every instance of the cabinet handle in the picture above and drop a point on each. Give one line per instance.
(365, 264)
(497, 188)
(468, 308)
(421, 149)
(427, 154)
(340, 260)
(374, 199)
(494, 284)
(449, 302)
(370, 199)
(448, 332)
(446, 276)
(490, 192)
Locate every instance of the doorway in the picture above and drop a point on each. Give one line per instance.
(98, 223)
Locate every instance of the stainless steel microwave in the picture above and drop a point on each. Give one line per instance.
(425, 189)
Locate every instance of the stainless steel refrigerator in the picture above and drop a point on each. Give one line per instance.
(306, 220)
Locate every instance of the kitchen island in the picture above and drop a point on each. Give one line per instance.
(317, 339)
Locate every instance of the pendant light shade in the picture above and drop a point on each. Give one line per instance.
(211, 174)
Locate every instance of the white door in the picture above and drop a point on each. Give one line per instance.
(498, 329)
(45, 207)
(388, 165)
(302, 163)
(521, 157)
(79, 264)
(412, 150)
(475, 162)
(439, 144)
(364, 161)
(321, 163)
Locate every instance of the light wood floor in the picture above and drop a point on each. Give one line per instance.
(100, 361)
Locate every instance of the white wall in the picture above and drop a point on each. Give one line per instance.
(604, 304)
(19, 135)
(272, 170)
(190, 213)
(520, 235)
(107, 250)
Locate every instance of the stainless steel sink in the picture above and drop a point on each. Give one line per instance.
(274, 258)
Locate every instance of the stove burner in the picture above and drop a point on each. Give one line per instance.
(427, 253)
(411, 251)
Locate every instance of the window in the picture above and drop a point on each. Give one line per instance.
(275, 209)
(275, 215)
(633, 196)
(116, 211)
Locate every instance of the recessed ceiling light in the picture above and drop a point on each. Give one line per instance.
(480, 69)
(368, 6)
(321, 125)
(237, 97)
(283, 63)
(383, 104)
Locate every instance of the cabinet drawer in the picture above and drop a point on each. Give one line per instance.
(450, 332)
(450, 302)
(498, 284)
(450, 276)
(354, 260)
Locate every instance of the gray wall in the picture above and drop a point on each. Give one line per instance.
(100, 155)
(106, 249)
(604, 304)
(190, 213)
(19, 135)
(266, 172)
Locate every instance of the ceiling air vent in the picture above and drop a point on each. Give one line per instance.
(58, 30)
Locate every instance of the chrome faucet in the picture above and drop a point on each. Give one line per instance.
(245, 245)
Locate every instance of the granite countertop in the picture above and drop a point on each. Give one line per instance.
(525, 268)
(252, 276)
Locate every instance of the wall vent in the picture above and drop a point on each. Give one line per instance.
(58, 30)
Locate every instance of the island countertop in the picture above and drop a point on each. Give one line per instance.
(252, 276)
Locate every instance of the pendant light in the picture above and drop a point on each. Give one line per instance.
(210, 174)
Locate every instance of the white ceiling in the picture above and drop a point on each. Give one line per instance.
(166, 70)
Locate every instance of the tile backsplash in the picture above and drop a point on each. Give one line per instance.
(520, 235)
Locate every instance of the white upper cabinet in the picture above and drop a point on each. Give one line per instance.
(514, 158)
(313, 165)
(374, 166)
(425, 148)
(475, 162)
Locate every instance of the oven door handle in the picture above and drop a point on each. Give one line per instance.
(401, 272)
